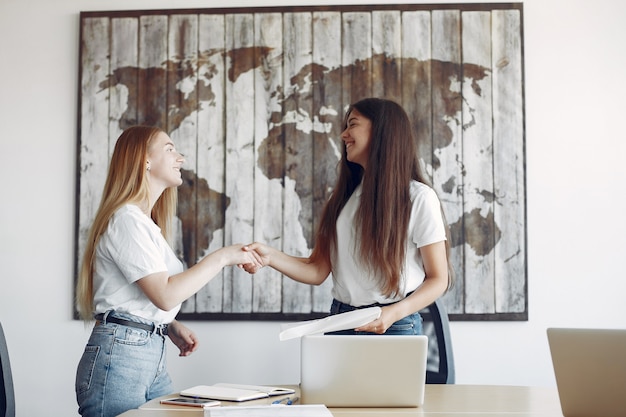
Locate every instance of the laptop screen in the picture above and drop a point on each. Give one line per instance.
(363, 371)
(590, 370)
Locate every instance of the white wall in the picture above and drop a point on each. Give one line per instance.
(575, 102)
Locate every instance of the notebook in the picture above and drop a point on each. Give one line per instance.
(590, 370)
(234, 392)
(363, 371)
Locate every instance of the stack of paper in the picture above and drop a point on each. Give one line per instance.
(234, 392)
(336, 322)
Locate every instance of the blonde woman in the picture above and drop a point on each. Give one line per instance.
(132, 283)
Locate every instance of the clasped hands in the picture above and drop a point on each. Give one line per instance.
(260, 256)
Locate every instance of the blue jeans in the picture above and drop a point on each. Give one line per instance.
(409, 325)
(121, 368)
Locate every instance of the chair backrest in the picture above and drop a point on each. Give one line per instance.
(440, 366)
(7, 395)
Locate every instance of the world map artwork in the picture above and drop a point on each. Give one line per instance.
(293, 161)
(271, 148)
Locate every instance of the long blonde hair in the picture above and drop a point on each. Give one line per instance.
(126, 183)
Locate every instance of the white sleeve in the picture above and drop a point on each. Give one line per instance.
(134, 247)
(427, 221)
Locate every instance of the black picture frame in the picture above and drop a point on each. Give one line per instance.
(254, 98)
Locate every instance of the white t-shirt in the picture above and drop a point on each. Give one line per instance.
(131, 248)
(352, 282)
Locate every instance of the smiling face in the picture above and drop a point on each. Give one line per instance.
(357, 137)
(164, 162)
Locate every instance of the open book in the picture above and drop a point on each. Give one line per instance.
(234, 392)
(336, 322)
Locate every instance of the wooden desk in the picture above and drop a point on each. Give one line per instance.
(439, 401)
(472, 401)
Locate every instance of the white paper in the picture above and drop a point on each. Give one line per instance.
(215, 392)
(333, 323)
(271, 391)
(312, 410)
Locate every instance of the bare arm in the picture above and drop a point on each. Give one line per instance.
(166, 292)
(183, 338)
(434, 285)
(299, 269)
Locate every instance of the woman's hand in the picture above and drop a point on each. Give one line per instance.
(261, 254)
(182, 337)
(240, 255)
(297, 268)
(381, 324)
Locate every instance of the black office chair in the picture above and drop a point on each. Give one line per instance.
(440, 365)
(7, 395)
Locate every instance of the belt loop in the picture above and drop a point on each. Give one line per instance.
(161, 329)
(105, 316)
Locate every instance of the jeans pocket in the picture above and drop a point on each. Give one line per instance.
(85, 368)
(409, 325)
(133, 337)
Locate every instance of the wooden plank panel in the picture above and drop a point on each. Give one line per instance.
(212, 201)
(239, 154)
(478, 223)
(151, 85)
(417, 91)
(182, 75)
(94, 123)
(510, 212)
(124, 70)
(447, 129)
(298, 182)
(327, 143)
(181, 119)
(182, 102)
(268, 145)
(356, 63)
(417, 81)
(386, 54)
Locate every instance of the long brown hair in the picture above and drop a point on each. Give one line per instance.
(126, 182)
(382, 219)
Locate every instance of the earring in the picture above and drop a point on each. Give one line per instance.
(148, 168)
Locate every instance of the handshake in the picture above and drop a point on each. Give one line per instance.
(251, 258)
(254, 256)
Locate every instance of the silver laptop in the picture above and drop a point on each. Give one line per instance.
(590, 370)
(363, 371)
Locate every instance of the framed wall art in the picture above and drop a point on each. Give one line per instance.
(255, 97)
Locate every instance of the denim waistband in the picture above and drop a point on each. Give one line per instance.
(369, 305)
(341, 307)
(111, 317)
